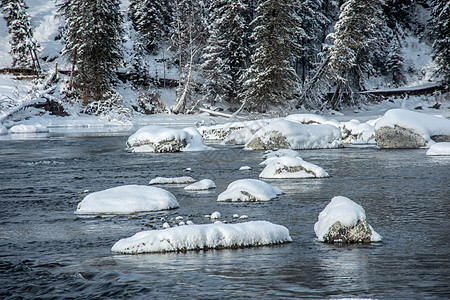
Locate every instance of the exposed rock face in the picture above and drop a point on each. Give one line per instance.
(274, 140)
(337, 233)
(441, 138)
(398, 138)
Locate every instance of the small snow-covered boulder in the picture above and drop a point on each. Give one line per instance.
(285, 134)
(221, 131)
(344, 221)
(127, 199)
(439, 149)
(278, 153)
(3, 130)
(291, 167)
(403, 129)
(204, 184)
(28, 129)
(160, 139)
(172, 180)
(249, 190)
(202, 237)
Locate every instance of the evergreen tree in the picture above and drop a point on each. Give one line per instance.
(395, 65)
(224, 56)
(92, 36)
(355, 36)
(441, 32)
(23, 46)
(271, 76)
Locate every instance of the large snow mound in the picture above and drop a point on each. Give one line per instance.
(38, 128)
(285, 134)
(439, 149)
(419, 123)
(347, 212)
(127, 199)
(154, 138)
(209, 236)
(291, 167)
(249, 190)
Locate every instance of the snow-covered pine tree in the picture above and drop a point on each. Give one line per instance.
(225, 55)
(355, 36)
(23, 46)
(92, 36)
(394, 65)
(271, 78)
(147, 17)
(441, 32)
(188, 37)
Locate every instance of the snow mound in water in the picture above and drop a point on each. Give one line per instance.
(249, 190)
(279, 153)
(172, 180)
(204, 184)
(38, 128)
(160, 139)
(347, 212)
(210, 236)
(439, 149)
(291, 167)
(127, 199)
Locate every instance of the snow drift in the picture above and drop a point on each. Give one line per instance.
(210, 236)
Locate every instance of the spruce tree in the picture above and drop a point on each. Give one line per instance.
(395, 65)
(23, 46)
(441, 32)
(271, 78)
(355, 36)
(225, 55)
(93, 36)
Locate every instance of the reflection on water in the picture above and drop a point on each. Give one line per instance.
(48, 251)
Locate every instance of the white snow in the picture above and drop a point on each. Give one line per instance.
(344, 210)
(216, 215)
(439, 149)
(422, 124)
(28, 129)
(271, 155)
(204, 184)
(210, 236)
(312, 119)
(291, 167)
(147, 138)
(3, 130)
(172, 180)
(249, 190)
(301, 136)
(127, 199)
(245, 168)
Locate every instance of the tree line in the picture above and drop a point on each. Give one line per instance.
(260, 54)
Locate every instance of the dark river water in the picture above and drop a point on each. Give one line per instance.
(46, 251)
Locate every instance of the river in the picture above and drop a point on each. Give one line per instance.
(46, 251)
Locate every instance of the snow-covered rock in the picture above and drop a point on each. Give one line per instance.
(243, 135)
(38, 128)
(127, 199)
(439, 149)
(311, 119)
(278, 153)
(3, 130)
(291, 167)
(249, 190)
(222, 131)
(245, 168)
(172, 180)
(284, 134)
(209, 236)
(159, 139)
(204, 184)
(344, 221)
(400, 128)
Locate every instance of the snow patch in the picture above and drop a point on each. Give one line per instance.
(204, 184)
(172, 180)
(439, 149)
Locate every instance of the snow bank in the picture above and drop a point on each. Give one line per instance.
(347, 212)
(291, 167)
(172, 180)
(28, 129)
(311, 119)
(127, 199)
(204, 184)
(293, 135)
(249, 190)
(210, 236)
(439, 149)
(421, 124)
(154, 138)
